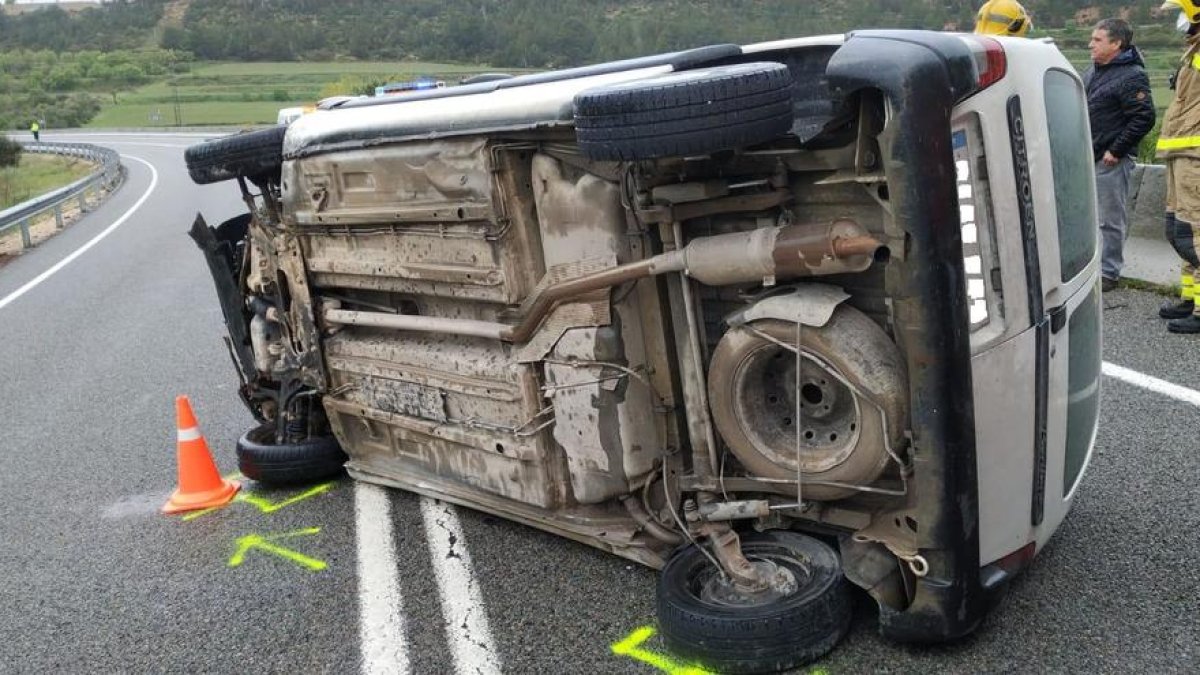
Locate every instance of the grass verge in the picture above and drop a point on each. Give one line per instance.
(38, 174)
(1168, 290)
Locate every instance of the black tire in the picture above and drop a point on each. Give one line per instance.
(251, 154)
(693, 112)
(261, 459)
(770, 636)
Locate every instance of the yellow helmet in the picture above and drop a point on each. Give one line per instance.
(1188, 7)
(1006, 17)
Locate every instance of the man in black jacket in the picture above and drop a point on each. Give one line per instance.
(1121, 112)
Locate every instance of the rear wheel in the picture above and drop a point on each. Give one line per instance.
(705, 619)
(249, 155)
(262, 459)
(692, 112)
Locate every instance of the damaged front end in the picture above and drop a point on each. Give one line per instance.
(272, 335)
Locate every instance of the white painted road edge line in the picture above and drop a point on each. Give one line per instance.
(53, 137)
(380, 605)
(465, 619)
(94, 240)
(1190, 396)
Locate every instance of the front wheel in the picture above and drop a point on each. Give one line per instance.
(705, 619)
(260, 458)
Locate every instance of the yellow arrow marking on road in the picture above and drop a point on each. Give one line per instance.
(631, 646)
(265, 505)
(265, 542)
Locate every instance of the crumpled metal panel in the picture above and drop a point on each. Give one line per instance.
(604, 409)
(474, 375)
(591, 309)
(420, 218)
(604, 417)
(445, 406)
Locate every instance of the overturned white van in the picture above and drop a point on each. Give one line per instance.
(780, 319)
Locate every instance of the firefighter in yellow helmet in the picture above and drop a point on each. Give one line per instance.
(1003, 17)
(1179, 145)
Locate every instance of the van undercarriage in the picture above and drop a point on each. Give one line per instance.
(711, 329)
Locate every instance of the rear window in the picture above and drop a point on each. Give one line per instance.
(1083, 386)
(1071, 156)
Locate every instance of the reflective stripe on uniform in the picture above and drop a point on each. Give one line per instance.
(1187, 286)
(1181, 143)
(192, 434)
(1006, 21)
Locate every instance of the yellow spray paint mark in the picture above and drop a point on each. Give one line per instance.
(266, 543)
(204, 512)
(265, 505)
(631, 646)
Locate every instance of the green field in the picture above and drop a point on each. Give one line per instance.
(206, 113)
(38, 174)
(252, 93)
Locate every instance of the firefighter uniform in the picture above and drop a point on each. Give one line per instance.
(1179, 145)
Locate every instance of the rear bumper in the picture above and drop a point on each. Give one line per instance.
(923, 76)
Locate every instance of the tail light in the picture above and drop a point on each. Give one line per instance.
(981, 260)
(1017, 560)
(990, 62)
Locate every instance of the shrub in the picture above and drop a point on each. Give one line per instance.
(1145, 151)
(10, 152)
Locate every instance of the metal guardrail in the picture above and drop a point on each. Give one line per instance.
(109, 174)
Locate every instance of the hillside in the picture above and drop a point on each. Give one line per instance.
(511, 33)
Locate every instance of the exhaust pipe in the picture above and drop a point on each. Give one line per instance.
(762, 255)
(773, 253)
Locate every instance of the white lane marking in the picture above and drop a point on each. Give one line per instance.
(1190, 396)
(462, 602)
(94, 240)
(147, 134)
(147, 145)
(380, 605)
(183, 142)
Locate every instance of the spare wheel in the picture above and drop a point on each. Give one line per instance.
(852, 371)
(692, 112)
(250, 155)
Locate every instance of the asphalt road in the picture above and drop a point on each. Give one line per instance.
(93, 579)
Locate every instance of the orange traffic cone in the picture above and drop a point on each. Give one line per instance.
(200, 486)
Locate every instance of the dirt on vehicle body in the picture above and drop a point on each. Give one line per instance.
(705, 298)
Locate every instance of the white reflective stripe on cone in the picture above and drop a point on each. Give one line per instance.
(192, 434)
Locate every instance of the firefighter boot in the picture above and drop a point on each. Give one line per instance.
(1188, 324)
(1176, 310)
